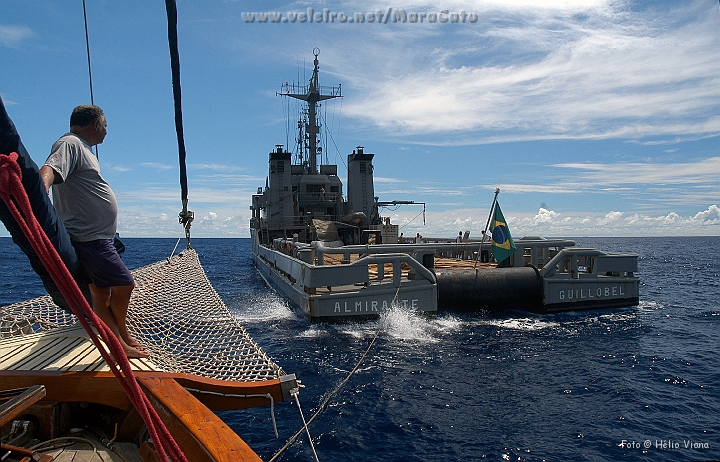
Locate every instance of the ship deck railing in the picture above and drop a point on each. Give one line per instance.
(579, 263)
(316, 271)
(331, 266)
(534, 251)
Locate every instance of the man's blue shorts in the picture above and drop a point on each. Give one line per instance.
(103, 264)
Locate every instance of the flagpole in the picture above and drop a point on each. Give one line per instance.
(487, 224)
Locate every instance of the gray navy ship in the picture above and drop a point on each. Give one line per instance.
(331, 253)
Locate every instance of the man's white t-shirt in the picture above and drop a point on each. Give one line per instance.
(83, 198)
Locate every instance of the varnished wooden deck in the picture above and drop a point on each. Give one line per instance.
(63, 350)
(452, 263)
(440, 263)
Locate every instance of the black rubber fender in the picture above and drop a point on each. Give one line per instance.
(490, 289)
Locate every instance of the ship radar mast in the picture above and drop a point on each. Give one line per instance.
(312, 93)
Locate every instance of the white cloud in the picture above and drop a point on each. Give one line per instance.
(672, 218)
(546, 4)
(546, 216)
(118, 168)
(612, 217)
(171, 196)
(604, 74)
(549, 223)
(565, 188)
(380, 179)
(228, 222)
(11, 36)
(216, 167)
(710, 216)
(473, 5)
(158, 166)
(139, 222)
(701, 171)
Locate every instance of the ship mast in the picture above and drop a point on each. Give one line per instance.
(312, 93)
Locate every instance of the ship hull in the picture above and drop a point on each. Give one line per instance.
(555, 279)
(596, 293)
(341, 292)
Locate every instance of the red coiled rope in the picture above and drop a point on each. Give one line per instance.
(14, 195)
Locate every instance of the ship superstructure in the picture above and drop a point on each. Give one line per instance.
(331, 253)
(302, 194)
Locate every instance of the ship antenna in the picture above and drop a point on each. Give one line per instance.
(312, 94)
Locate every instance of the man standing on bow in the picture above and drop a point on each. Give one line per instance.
(89, 210)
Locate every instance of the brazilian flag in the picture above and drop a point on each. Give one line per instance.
(502, 242)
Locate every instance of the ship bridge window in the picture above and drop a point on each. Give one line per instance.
(313, 188)
(334, 189)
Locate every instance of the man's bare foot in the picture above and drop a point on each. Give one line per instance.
(131, 342)
(133, 352)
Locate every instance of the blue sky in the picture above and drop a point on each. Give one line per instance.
(593, 117)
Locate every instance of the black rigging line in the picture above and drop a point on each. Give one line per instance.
(87, 47)
(186, 217)
(330, 136)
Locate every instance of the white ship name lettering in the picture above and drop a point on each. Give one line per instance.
(600, 292)
(368, 306)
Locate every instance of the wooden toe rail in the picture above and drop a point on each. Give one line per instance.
(199, 432)
(188, 415)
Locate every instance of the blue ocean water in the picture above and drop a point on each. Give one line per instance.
(636, 383)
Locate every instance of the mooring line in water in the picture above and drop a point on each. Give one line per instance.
(340, 385)
(294, 392)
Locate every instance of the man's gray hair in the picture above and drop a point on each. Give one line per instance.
(85, 115)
